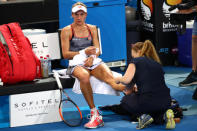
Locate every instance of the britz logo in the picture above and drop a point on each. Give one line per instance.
(167, 26)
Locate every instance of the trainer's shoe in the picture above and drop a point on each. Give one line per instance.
(96, 120)
(144, 120)
(190, 80)
(169, 116)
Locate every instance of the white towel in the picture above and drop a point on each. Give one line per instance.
(79, 60)
(98, 87)
(62, 73)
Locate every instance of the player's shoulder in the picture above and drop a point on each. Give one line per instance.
(92, 26)
(66, 30)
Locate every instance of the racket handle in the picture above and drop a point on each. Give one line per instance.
(58, 80)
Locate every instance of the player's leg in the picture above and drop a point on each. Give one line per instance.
(103, 73)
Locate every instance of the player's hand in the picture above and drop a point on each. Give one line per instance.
(89, 62)
(91, 50)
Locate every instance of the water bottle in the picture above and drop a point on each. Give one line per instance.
(1, 82)
(45, 68)
(49, 65)
(42, 65)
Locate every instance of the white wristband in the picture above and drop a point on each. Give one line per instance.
(93, 56)
(97, 50)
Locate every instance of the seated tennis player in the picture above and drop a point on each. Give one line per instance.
(81, 38)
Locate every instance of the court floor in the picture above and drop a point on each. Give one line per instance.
(115, 122)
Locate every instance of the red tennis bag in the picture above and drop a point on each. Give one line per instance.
(17, 60)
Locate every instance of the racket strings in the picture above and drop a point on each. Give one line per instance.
(70, 113)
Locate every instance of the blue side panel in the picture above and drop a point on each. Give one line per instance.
(65, 12)
(184, 47)
(109, 16)
(110, 20)
(4, 111)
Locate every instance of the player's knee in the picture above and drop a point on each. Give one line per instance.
(85, 78)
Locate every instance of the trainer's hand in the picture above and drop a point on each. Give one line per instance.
(91, 50)
(187, 11)
(127, 91)
(135, 88)
(89, 62)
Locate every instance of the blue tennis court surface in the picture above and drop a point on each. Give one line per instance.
(115, 122)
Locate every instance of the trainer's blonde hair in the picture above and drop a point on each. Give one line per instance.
(147, 49)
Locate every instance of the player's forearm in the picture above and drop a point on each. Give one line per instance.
(69, 55)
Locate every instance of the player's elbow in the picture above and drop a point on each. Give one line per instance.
(66, 55)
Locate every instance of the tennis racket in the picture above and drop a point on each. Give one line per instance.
(68, 109)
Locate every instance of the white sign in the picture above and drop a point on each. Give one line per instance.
(34, 108)
(39, 44)
(54, 45)
(45, 44)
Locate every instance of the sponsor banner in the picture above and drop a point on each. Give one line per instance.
(146, 7)
(39, 44)
(34, 108)
(156, 26)
(54, 45)
(45, 44)
(147, 13)
(167, 26)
